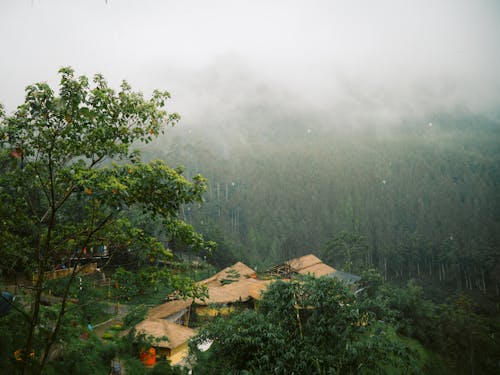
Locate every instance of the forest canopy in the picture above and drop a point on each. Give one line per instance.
(420, 197)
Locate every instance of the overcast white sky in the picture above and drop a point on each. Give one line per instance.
(209, 53)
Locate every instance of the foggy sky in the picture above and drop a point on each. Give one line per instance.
(365, 58)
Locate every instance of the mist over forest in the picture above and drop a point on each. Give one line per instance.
(417, 185)
(183, 164)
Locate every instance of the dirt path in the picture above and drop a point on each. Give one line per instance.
(121, 311)
(100, 328)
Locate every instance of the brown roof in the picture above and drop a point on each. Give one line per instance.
(310, 264)
(256, 290)
(317, 270)
(236, 271)
(168, 308)
(305, 261)
(237, 291)
(159, 328)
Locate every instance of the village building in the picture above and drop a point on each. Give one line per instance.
(313, 266)
(233, 287)
(170, 339)
(238, 271)
(310, 265)
(59, 273)
(226, 298)
(177, 311)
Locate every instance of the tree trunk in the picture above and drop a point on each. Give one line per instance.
(42, 262)
(385, 269)
(483, 280)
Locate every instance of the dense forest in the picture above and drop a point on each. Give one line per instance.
(415, 199)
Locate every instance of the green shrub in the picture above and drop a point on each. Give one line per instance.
(108, 336)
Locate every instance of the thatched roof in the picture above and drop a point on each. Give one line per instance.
(307, 264)
(168, 308)
(160, 328)
(317, 270)
(256, 290)
(237, 271)
(305, 261)
(310, 264)
(237, 291)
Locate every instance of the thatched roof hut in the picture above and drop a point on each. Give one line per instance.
(238, 271)
(234, 284)
(303, 262)
(171, 340)
(310, 264)
(305, 265)
(171, 310)
(237, 291)
(317, 270)
(160, 328)
(256, 290)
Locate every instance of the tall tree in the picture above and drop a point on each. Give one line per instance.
(69, 175)
(316, 326)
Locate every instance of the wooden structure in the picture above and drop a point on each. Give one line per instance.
(237, 291)
(175, 346)
(176, 311)
(305, 265)
(235, 284)
(236, 272)
(310, 265)
(60, 273)
(282, 271)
